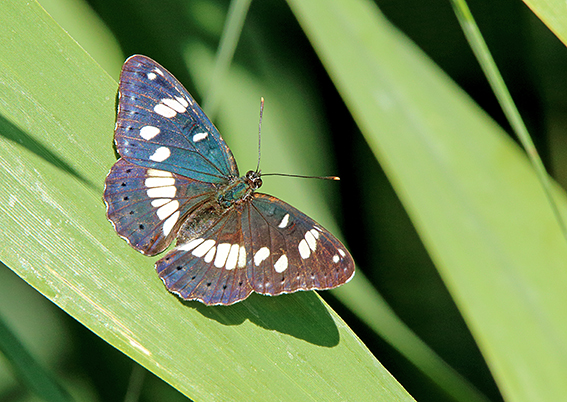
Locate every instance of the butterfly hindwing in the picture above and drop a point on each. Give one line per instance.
(290, 251)
(262, 245)
(146, 205)
(159, 125)
(211, 265)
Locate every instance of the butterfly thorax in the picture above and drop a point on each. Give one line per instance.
(239, 190)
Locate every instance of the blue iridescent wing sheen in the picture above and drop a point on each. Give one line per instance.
(147, 206)
(159, 125)
(290, 251)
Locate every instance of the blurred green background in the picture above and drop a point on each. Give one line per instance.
(375, 226)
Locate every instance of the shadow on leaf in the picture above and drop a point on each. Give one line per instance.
(18, 136)
(301, 315)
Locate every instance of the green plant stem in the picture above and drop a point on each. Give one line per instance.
(227, 46)
(484, 57)
(28, 370)
(135, 384)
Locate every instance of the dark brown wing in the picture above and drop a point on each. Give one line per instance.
(290, 251)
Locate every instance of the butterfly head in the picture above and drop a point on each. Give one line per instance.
(253, 179)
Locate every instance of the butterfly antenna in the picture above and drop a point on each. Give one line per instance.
(303, 176)
(260, 134)
(281, 174)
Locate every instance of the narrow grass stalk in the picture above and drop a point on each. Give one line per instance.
(135, 384)
(28, 370)
(227, 46)
(480, 49)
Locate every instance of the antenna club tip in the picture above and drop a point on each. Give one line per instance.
(337, 178)
(262, 99)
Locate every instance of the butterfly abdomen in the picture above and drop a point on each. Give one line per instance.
(199, 220)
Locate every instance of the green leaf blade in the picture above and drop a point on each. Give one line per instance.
(53, 218)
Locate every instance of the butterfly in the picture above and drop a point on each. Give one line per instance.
(177, 179)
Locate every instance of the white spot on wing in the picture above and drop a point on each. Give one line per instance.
(314, 233)
(304, 249)
(161, 154)
(159, 173)
(157, 70)
(210, 255)
(232, 257)
(284, 222)
(170, 223)
(159, 181)
(341, 252)
(222, 254)
(203, 248)
(152, 76)
(162, 192)
(149, 132)
(191, 245)
(164, 111)
(242, 257)
(182, 101)
(336, 258)
(158, 202)
(174, 104)
(261, 255)
(166, 210)
(310, 239)
(281, 264)
(200, 136)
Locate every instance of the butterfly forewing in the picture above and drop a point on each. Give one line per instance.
(147, 206)
(159, 125)
(290, 251)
